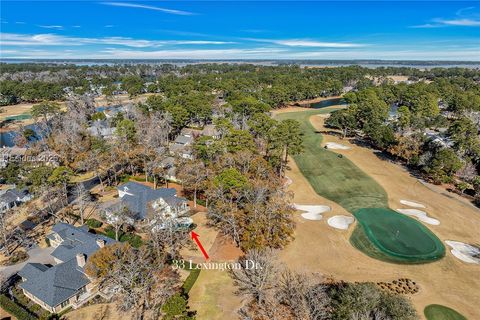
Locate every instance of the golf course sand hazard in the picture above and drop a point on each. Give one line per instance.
(412, 204)
(420, 215)
(336, 146)
(312, 212)
(340, 222)
(465, 252)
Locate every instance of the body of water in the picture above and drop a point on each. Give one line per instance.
(7, 138)
(328, 103)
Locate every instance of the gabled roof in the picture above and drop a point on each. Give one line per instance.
(136, 196)
(76, 240)
(184, 140)
(12, 195)
(53, 285)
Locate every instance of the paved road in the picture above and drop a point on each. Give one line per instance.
(40, 255)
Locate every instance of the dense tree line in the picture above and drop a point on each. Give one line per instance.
(433, 127)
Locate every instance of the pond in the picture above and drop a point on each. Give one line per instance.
(7, 138)
(328, 103)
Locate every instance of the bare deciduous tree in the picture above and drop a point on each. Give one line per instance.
(258, 274)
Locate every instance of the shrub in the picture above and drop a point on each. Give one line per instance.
(47, 241)
(14, 309)
(176, 308)
(94, 223)
(190, 280)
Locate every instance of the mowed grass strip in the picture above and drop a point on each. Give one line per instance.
(439, 312)
(333, 177)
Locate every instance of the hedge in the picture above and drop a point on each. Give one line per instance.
(14, 309)
(190, 280)
(94, 223)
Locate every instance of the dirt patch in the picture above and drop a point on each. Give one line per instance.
(104, 311)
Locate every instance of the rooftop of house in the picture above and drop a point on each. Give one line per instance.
(190, 132)
(136, 197)
(183, 140)
(75, 240)
(53, 285)
(12, 195)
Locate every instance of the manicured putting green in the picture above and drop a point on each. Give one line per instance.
(439, 312)
(399, 237)
(381, 233)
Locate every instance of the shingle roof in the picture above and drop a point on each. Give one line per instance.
(12, 195)
(76, 240)
(181, 139)
(53, 285)
(137, 196)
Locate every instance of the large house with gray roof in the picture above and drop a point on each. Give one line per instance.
(64, 284)
(139, 199)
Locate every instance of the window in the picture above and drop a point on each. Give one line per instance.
(64, 304)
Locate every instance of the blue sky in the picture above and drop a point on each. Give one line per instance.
(431, 30)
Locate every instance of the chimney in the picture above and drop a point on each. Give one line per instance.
(101, 243)
(81, 260)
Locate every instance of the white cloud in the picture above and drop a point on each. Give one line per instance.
(461, 22)
(307, 43)
(12, 39)
(463, 18)
(317, 44)
(51, 27)
(142, 6)
(427, 26)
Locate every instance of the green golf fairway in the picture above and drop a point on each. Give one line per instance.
(439, 312)
(381, 232)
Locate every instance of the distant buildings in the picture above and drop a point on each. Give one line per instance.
(182, 145)
(65, 284)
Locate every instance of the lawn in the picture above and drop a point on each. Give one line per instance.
(332, 177)
(382, 233)
(439, 312)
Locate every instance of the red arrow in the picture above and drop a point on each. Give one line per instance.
(199, 244)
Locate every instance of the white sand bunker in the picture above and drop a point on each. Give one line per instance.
(420, 215)
(312, 212)
(465, 252)
(333, 145)
(340, 222)
(412, 204)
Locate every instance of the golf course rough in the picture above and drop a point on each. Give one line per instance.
(439, 312)
(381, 233)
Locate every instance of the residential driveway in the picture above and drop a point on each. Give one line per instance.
(39, 255)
